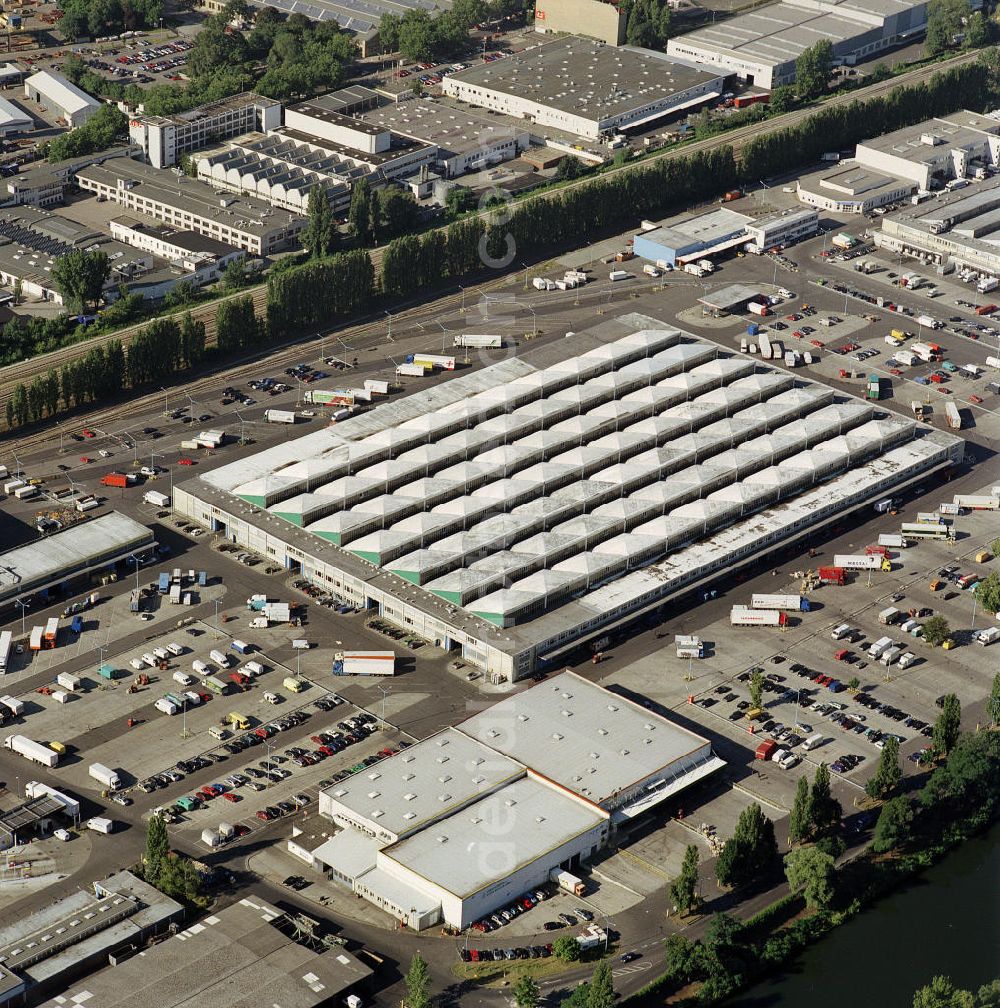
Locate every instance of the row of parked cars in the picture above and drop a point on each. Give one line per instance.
(493, 955)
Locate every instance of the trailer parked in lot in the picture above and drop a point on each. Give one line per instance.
(31, 750)
(279, 416)
(976, 502)
(797, 603)
(743, 616)
(856, 561)
(364, 663)
(483, 342)
(105, 775)
(156, 498)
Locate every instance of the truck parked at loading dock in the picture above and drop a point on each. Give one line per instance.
(567, 881)
(796, 603)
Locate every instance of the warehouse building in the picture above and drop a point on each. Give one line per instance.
(959, 229)
(512, 512)
(690, 237)
(164, 139)
(32, 240)
(762, 45)
(463, 141)
(600, 20)
(925, 156)
(72, 553)
(188, 204)
(585, 88)
(43, 951)
(248, 953)
(13, 119)
(419, 831)
(60, 97)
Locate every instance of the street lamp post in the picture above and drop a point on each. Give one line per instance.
(23, 606)
(135, 560)
(385, 691)
(217, 603)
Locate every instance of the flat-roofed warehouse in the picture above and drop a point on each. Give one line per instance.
(560, 765)
(75, 551)
(515, 511)
(961, 228)
(247, 955)
(585, 88)
(762, 45)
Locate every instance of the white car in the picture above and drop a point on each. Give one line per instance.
(788, 761)
(61, 834)
(149, 470)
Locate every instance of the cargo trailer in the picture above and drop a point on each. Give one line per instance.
(380, 663)
(796, 603)
(976, 502)
(6, 644)
(13, 705)
(156, 498)
(856, 561)
(472, 340)
(279, 416)
(742, 616)
(105, 775)
(432, 361)
(31, 750)
(411, 370)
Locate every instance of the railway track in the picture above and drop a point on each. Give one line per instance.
(26, 371)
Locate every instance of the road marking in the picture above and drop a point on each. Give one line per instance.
(637, 968)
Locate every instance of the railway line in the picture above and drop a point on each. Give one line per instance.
(25, 371)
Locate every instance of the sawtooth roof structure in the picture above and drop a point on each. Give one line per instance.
(547, 496)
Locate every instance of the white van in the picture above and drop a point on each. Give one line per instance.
(175, 649)
(136, 663)
(839, 633)
(162, 653)
(150, 659)
(183, 678)
(219, 658)
(218, 733)
(813, 742)
(200, 667)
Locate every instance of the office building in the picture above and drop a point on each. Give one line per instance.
(190, 205)
(584, 88)
(596, 19)
(164, 139)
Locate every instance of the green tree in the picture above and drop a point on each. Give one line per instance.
(80, 277)
(977, 31)
(570, 167)
(751, 852)
(811, 870)
(886, 779)
(178, 878)
(98, 133)
(602, 987)
(684, 888)
(234, 276)
(577, 997)
(782, 100)
(458, 200)
(893, 827)
(398, 213)
(824, 809)
(798, 822)
(945, 21)
(757, 688)
(988, 590)
(942, 993)
(936, 630)
(526, 992)
(319, 235)
(157, 847)
(993, 703)
(566, 948)
(417, 983)
(192, 340)
(812, 70)
(947, 725)
(360, 213)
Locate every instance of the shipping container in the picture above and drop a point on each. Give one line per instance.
(411, 370)
(117, 479)
(377, 387)
(891, 539)
(478, 341)
(616, 275)
(69, 681)
(6, 644)
(26, 492)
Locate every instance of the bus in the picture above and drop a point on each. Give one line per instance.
(925, 530)
(5, 646)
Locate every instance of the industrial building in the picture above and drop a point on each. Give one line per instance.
(60, 97)
(13, 119)
(960, 229)
(762, 45)
(194, 252)
(596, 19)
(323, 143)
(248, 953)
(584, 88)
(75, 552)
(690, 237)
(419, 831)
(188, 204)
(925, 156)
(164, 139)
(43, 951)
(32, 239)
(512, 512)
(463, 141)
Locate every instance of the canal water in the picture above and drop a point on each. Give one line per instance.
(946, 921)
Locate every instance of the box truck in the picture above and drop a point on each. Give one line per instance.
(117, 479)
(880, 646)
(856, 561)
(105, 775)
(989, 636)
(31, 750)
(890, 616)
(100, 825)
(615, 275)
(156, 498)
(742, 616)
(411, 370)
(831, 575)
(567, 881)
(219, 657)
(797, 603)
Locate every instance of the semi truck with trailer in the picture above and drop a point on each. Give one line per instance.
(6, 644)
(31, 750)
(51, 634)
(743, 616)
(858, 561)
(380, 663)
(432, 361)
(796, 603)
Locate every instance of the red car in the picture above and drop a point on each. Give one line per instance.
(184, 461)
(87, 433)
(241, 830)
(327, 751)
(84, 458)
(263, 815)
(229, 796)
(975, 399)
